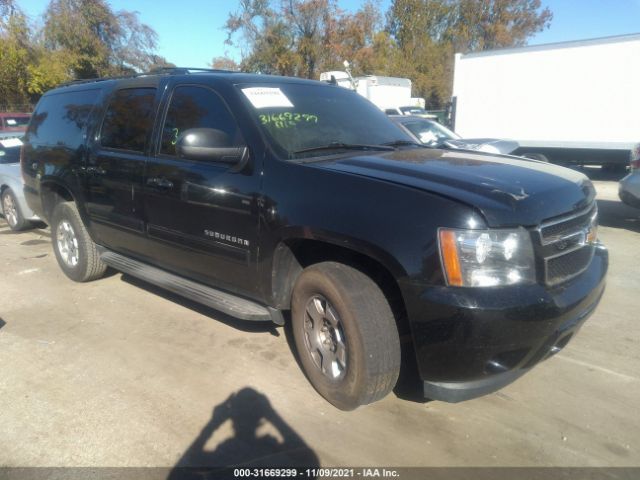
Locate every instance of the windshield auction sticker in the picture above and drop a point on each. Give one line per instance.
(263, 97)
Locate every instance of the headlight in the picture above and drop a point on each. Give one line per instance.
(486, 258)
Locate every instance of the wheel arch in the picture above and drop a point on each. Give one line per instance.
(9, 182)
(293, 254)
(53, 192)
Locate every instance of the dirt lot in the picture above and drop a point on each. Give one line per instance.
(118, 373)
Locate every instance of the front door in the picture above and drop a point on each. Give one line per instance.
(202, 215)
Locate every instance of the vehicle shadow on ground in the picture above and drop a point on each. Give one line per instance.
(39, 228)
(252, 445)
(408, 387)
(616, 214)
(2, 323)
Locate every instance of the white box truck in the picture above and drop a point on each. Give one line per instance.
(571, 102)
(385, 92)
(390, 94)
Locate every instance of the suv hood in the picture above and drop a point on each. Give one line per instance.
(508, 191)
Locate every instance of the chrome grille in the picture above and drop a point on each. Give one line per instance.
(569, 265)
(564, 245)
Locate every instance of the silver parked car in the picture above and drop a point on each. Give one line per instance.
(14, 207)
(433, 134)
(629, 186)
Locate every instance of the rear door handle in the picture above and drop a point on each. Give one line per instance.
(160, 182)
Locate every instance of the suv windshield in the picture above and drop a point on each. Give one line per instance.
(412, 110)
(429, 132)
(312, 120)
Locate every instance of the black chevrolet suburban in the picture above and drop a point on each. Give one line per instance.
(280, 199)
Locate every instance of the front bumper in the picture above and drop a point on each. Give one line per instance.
(472, 341)
(629, 189)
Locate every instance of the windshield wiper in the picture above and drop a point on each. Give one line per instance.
(402, 143)
(346, 146)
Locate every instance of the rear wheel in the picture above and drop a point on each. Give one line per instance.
(614, 168)
(345, 335)
(11, 211)
(76, 253)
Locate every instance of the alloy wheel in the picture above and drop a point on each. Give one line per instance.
(67, 244)
(324, 338)
(10, 210)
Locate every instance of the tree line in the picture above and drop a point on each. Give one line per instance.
(74, 39)
(417, 39)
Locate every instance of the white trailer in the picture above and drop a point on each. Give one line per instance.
(385, 92)
(571, 102)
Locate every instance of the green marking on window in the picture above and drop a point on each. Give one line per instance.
(287, 119)
(174, 140)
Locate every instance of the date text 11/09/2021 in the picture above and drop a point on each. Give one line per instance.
(316, 473)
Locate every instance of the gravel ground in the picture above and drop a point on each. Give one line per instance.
(118, 373)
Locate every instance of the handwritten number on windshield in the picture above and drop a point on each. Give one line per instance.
(287, 119)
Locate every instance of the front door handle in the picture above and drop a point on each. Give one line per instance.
(96, 171)
(160, 182)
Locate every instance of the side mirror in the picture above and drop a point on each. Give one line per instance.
(209, 144)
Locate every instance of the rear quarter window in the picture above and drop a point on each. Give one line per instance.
(61, 118)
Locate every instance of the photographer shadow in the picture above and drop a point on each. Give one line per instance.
(250, 447)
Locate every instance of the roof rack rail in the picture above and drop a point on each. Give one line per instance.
(155, 71)
(100, 79)
(187, 70)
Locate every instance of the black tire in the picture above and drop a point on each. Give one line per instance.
(614, 168)
(536, 156)
(368, 332)
(88, 265)
(15, 219)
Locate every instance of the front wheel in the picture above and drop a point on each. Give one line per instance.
(345, 334)
(11, 211)
(76, 253)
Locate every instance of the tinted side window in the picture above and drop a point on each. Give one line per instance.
(61, 119)
(9, 155)
(128, 119)
(197, 107)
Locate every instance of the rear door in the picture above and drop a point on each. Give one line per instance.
(202, 215)
(115, 167)
(55, 144)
